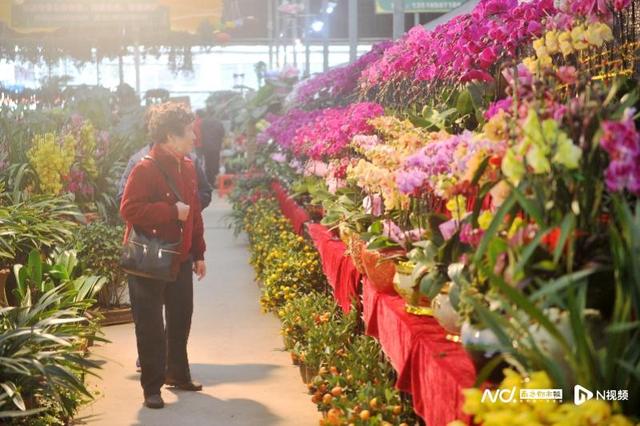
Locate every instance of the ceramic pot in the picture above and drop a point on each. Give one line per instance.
(444, 313)
(403, 282)
(472, 337)
(379, 272)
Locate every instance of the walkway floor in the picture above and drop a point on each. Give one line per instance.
(234, 349)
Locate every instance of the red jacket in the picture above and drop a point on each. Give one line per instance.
(149, 203)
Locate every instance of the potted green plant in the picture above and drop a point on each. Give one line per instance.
(99, 245)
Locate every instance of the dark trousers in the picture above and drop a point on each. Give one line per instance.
(162, 349)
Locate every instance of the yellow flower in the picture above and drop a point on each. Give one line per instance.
(551, 42)
(497, 129)
(604, 31)
(515, 225)
(578, 38)
(512, 167)
(538, 380)
(498, 418)
(537, 159)
(538, 44)
(512, 379)
(564, 43)
(531, 64)
(567, 154)
(472, 401)
(595, 412)
(484, 219)
(457, 206)
(457, 423)
(620, 420)
(598, 33)
(545, 60)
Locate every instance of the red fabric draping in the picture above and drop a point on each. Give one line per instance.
(432, 369)
(336, 264)
(292, 211)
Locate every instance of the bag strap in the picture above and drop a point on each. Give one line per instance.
(167, 178)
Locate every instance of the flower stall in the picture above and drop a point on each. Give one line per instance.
(478, 191)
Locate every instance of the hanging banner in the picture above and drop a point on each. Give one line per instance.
(29, 14)
(177, 15)
(419, 6)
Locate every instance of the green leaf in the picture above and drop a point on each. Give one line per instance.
(558, 284)
(492, 231)
(464, 104)
(566, 229)
(622, 327)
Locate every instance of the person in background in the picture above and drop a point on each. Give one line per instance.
(209, 136)
(149, 204)
(205, 190)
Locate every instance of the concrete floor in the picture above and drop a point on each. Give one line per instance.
(234, 349)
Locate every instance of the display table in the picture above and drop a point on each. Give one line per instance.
(431, 368)
(338, 267)
(290, 209)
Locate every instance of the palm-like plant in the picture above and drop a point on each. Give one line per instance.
(41, 340)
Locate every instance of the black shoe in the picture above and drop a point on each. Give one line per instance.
(154, 401)
(186, 386)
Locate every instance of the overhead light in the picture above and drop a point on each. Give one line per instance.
(331, 6)
(317, 26)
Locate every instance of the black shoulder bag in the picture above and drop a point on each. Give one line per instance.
(151, 257)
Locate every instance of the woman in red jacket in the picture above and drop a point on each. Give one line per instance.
(150, 204)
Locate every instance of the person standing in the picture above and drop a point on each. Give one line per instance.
(205, 190)
(149, 204)
(209, 137)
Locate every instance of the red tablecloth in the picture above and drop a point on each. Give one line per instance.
(292, 211)
(337, 266)
(432, 369)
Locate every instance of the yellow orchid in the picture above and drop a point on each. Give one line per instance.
(578, 37)
(599, 33)
(551, 42)
(457, 206)
(484, 220)
(497, 129)
(532, 64)
(564, 43)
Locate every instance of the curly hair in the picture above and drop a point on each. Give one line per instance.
(169, 118)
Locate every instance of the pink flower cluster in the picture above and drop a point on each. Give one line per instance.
(621, 140)
(434, 159)
(463, 49)
(588, 9)
(338, 83)
(332, 130)
(283, 128)
(77, 183)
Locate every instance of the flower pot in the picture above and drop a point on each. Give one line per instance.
(115, 316)
(307, 373)
(403, 282)
(473, 339)
(295, 359)
(4, 274)
(379, 271)
(444, 312)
